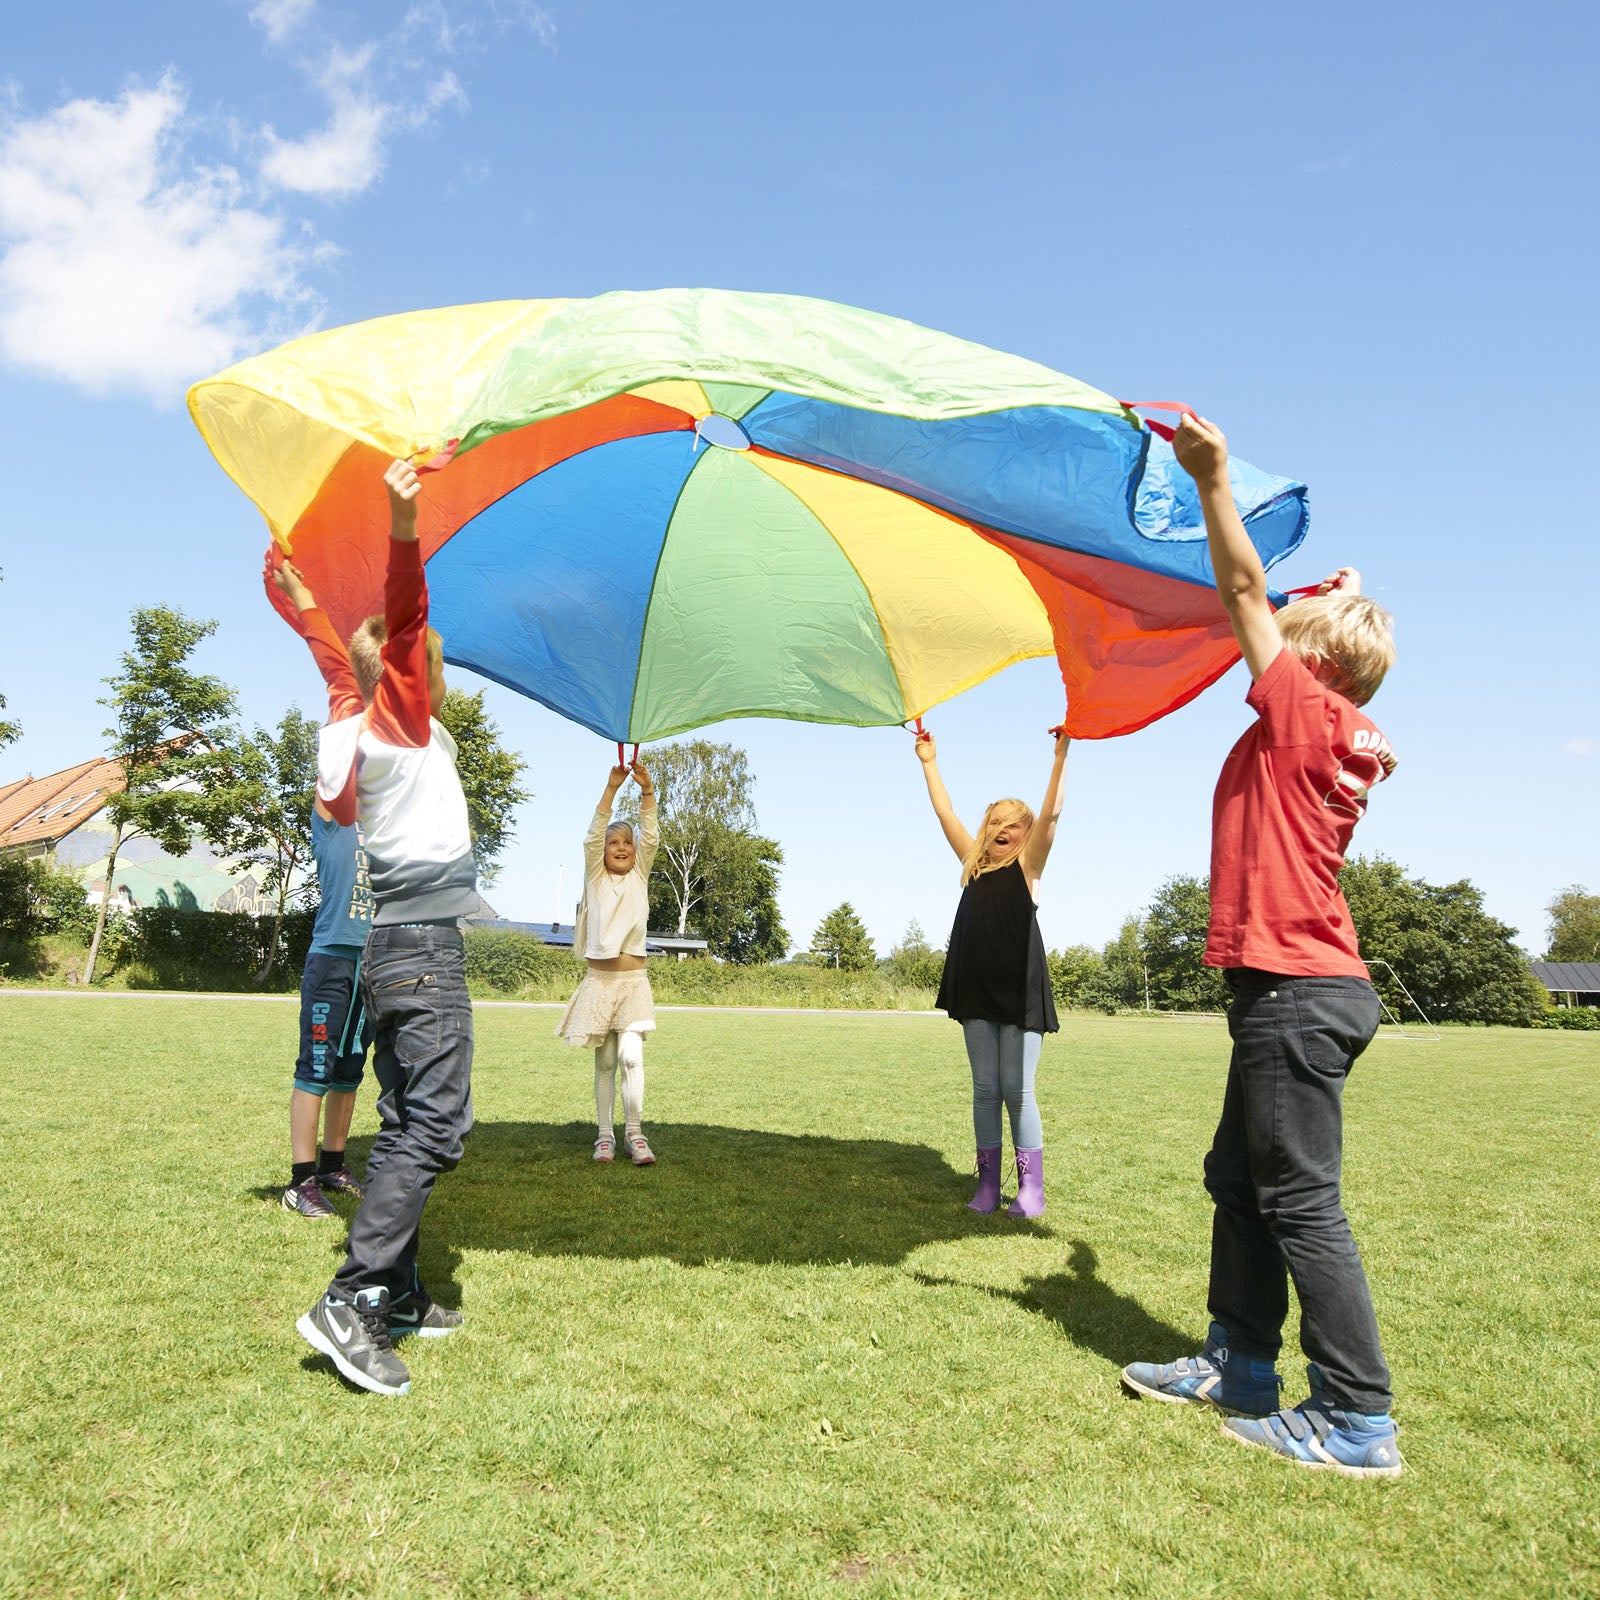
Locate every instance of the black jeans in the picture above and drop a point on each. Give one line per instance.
(415, 988)
(1274, 1172)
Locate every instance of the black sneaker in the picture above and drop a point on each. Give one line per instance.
(307, 1199)
(424, 1316)
(354, 1336)
(340, 1181)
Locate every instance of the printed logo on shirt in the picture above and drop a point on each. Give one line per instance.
(1369, 762)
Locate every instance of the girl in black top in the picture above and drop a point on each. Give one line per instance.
(995, 981)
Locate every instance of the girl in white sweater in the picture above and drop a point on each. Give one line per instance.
(613, 1008)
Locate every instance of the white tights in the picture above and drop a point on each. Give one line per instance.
(627, 1051)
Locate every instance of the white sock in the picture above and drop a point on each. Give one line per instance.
(630, 1057)
(605, 1086)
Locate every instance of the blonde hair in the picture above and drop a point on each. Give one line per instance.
(619, 827)
(366, 655)
(999, 814)
(1351, 636)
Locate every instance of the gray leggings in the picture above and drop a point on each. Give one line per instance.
(1004, 1060)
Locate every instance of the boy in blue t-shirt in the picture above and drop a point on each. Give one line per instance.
(334, 1030)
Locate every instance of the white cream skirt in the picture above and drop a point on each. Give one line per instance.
(608, 1002)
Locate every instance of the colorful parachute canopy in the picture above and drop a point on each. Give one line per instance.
(654, 510)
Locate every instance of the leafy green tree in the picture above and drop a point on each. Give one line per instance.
(1459, 963)
(261, 810)
(1574, 925)
(739, 917)
(170, 734)
(1079, 978)
(491, 777)
(1126, 974)
(1174, 941)
(914, 962)
(714, 872)
(841, 940)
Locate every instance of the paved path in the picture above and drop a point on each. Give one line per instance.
(497, 1005)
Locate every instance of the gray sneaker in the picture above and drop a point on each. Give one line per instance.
(423, 1316)
(354, 1336)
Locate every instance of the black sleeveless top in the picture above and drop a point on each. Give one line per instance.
(994, 969)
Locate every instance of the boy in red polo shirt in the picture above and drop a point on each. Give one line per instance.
(1290, 794)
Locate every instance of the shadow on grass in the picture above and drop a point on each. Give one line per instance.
(715, 1194)
(1089, 1311)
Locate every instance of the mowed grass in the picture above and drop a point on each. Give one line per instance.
(785, 1360)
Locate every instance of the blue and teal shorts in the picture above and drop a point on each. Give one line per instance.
(334, 1030)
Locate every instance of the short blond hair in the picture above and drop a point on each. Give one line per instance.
(1352, 637)
(620, 827)
(366, 655)
(999, 814)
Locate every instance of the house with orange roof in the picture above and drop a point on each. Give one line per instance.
(58, 817)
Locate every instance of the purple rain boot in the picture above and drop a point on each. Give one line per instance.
(987, 1195)
(1030, 1185)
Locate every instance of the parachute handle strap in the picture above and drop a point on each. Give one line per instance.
(923, 736)
(1160, 428)
(624, 761)
(437, 463)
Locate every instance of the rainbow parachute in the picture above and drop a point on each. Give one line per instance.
(651, 511)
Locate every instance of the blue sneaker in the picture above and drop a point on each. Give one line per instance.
(1243, 1386)
(1317, 1433)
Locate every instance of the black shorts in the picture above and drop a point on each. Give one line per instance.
(334, 1030)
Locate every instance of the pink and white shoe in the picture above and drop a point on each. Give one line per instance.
(638, 1148)
(605, 1147)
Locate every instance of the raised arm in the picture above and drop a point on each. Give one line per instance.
(649, 840)
(1043, 835)
(401, 707)
(594, 841)
(960, 840)
(327, 648)
(1202, 452)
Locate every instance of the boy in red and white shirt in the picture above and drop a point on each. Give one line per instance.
(1291, 792)
(385, 758)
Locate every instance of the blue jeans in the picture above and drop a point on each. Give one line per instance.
(1004, 1060)
(1274, 1171)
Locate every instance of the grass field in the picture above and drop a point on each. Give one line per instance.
(785, 1360)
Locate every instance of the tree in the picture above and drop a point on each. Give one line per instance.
(491, 777)
(739, 917)
(1174, 942)
(714, 871)
(169, 734)
(1079, 978)
(914, 962)
(261, 811)
(1126, 974)
(10, 732)
(1574, 925)
(841, 940)
(1459, 963)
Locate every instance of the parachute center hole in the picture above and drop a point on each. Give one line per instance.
(722, 431)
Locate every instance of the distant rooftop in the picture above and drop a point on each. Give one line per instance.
(1568, 977)
(38, 811)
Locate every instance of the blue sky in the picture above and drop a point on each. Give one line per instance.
(1361, 238)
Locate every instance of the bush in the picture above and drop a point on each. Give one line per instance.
(1580, 1017)
(509, 961)
(1079, 979)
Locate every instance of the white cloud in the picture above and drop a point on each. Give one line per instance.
(1582, 747)
(337, 161)
(279, 18)
(126, 265)
(348, 155)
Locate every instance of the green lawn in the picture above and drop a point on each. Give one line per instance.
(785, 1360)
